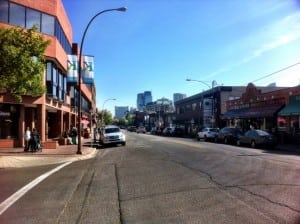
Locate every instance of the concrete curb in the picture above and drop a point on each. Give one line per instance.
(18, 161)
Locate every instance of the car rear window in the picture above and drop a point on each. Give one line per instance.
(111, 130)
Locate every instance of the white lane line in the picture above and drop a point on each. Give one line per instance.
(16, 196)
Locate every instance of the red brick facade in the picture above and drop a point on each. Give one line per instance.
(50, 116)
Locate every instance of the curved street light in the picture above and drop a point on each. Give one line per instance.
(102, 120)
(122, 9)
(194, 80)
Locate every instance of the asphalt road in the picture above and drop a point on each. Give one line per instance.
(161, 180)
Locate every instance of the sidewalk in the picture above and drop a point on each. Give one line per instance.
(16, 157)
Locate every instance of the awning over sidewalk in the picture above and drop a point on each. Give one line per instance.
(292, 109)
(254, 112)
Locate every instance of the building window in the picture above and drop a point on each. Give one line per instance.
(33, 17)
(4, 11)
(47, 24)
(56, 82)
(60, 86)
(17, 15)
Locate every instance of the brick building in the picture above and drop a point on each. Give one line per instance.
(276, 110)
(204, 109)
(56, 111)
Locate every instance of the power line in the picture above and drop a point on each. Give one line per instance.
(273, 73)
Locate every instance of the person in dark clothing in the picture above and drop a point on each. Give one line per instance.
(34, 140)
(74, 134)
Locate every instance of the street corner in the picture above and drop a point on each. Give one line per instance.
(86, 153)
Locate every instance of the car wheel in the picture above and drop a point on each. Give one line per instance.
(124, 143)
(253, 145)
(205, 138)
(238, 142)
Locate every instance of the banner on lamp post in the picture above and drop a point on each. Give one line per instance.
(88, 69)
(72, 68)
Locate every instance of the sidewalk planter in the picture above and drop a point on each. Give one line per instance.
(8, 143)
(50, 144)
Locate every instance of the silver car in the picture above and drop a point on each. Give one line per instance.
(112, 134)
(257, 138)
(208, 134)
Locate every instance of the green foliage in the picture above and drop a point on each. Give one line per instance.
(130, 119)
(123, 121)
(22, 61)
(107, 117)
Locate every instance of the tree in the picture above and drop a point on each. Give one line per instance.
(107, 117)
(123, 121)
(22, 61)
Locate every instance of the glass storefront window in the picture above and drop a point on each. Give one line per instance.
(33, 17)
(17, 15)
(4, 11)
(9, 115)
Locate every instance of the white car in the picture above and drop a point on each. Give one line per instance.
(208, 134)
(112, 134)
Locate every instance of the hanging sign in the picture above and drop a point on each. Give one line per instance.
(72, 68)
(88, 69)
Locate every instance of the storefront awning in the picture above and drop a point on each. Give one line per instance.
(254, 112)
(290, 110)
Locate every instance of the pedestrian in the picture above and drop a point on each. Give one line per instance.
(68, 135)
(27, 136)
(74, 134)
(34, 143)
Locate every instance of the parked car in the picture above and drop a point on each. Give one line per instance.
(177, 132)
(207, 134)
(256, 138)
(156, 131)
(229, 135)
(153, 130)
(112, 134)
(167, 131)
(141, 129)
(131, 128)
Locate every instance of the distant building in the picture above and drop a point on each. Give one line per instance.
(121, 111)
(160, 105)
(159, 112)
(143, 99)
(210, 108)
(147, 97)
(178, 96)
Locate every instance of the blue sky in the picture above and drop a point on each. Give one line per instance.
(156, 44)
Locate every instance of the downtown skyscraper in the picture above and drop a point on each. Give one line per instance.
(143, 99)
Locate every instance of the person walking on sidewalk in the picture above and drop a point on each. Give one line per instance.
(35, 140)
(74, 134)
(27, 136)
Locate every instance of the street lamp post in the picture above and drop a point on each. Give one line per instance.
(122, 9)
(102, 120)
(212, 96)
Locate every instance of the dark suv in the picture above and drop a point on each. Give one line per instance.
(229, 135)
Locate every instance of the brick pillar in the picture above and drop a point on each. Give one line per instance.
(22, 127)
(41, 121)
(60, 123)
